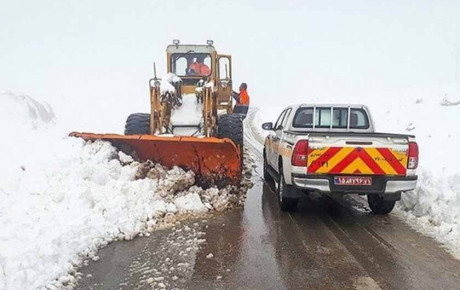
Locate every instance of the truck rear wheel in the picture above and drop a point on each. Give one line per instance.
(286, 204)
(137, 123)
(379, 205)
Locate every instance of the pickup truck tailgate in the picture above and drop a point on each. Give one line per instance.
(357, 158)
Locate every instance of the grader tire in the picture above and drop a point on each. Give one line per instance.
(231, 127)
(137, 123)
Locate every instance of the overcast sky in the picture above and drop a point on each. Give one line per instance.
(287, 51)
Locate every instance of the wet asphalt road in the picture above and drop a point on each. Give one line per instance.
(326, 244)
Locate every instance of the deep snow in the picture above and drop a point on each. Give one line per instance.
(63, 199)
(432, 114)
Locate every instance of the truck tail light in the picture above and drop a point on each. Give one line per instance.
(300, 154)
(412, 161)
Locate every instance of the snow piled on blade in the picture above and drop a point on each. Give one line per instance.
(62, 199)
(432, 115)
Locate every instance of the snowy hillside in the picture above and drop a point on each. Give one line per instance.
(62, 199)
(25, 112)
(432, 114)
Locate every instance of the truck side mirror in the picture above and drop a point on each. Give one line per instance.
(267, 126)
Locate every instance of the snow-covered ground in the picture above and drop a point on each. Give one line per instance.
(63, 199)
(432, 114)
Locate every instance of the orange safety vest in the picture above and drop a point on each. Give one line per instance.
(204, 70)
(244, 98)
(196, 67)
(200, 68)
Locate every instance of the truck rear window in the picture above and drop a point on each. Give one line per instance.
(304, 118)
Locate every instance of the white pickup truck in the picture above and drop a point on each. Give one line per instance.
(333, 149)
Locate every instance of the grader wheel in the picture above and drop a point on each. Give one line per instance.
(137, 123)
(231, 127)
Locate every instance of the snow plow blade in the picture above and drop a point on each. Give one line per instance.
(213, 160)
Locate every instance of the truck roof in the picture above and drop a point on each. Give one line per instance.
(333, 105)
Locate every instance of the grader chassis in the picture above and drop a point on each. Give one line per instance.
(214, 150)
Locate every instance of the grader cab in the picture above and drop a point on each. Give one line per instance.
(196, 72)
(190, 123)
(182, 61)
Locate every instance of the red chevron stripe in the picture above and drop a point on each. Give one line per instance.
(370, 162)
(392, 160)
(315, 165)
(344, 163)
(352, 156)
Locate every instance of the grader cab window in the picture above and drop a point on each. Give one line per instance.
(224, 68)
(191, 64)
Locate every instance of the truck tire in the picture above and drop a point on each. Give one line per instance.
(231, 127)
(267, 176)
(378, 205)
(137, 123)
(286, 204)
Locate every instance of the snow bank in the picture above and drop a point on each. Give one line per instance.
(434, 208)
(23, 122)
(431, 114)
(24, 112)
(62, 199)
(65, 207)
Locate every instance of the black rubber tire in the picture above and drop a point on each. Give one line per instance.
(137, 123)
(380, 206)
(231, 126)
(267, 175)
(286, 204)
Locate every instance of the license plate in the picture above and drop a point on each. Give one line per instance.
(352, 180)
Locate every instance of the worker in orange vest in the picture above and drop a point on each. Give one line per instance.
(199, 68)
(242, 100)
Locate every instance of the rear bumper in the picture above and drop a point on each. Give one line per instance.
(381, 184)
